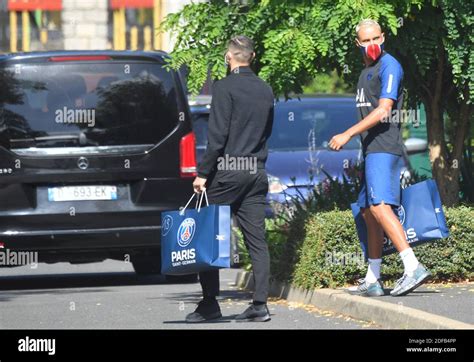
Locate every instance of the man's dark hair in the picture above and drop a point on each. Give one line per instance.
(242, 48)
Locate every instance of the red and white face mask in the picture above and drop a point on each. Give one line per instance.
(372, 51)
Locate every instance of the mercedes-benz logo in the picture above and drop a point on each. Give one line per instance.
(83, 163)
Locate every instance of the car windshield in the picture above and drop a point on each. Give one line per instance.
(86, 104)
(309, 125)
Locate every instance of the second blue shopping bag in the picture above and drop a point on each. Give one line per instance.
(421, 215)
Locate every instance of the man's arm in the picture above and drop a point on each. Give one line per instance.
(383, 110)
(391, 77)
(374, 117)
(218, 129)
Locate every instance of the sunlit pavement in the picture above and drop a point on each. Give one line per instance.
(110, 295)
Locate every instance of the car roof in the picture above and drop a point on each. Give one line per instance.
(306, 98)
(200, 109)
(318, 98)
(114, 54)
(199, 100)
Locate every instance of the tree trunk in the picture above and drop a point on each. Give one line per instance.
(445, 175)
(446, 165)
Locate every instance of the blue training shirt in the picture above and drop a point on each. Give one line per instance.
(382, 79)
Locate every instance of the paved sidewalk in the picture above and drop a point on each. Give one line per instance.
(455, 301)
(434, 306)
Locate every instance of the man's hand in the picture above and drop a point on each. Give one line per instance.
(339, 140)
(199, 184)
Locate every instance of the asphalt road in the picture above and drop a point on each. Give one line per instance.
(109, 295)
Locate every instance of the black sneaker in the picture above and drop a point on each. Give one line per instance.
(254, 313)
(207, 309)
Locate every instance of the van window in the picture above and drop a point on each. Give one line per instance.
(86, 104)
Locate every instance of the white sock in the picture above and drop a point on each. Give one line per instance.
(410, 261)
(373, 271)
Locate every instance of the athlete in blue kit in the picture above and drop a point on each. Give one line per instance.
(379, 93)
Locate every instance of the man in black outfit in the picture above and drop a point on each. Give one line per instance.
(240, 124)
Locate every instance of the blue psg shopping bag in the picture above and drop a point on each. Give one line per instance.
(195, 240)
(420, 213)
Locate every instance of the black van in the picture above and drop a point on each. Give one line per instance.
(93, 146)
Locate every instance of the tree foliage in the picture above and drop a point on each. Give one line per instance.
(297, 40)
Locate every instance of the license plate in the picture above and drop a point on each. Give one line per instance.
(81, 193)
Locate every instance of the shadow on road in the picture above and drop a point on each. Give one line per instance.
(236, 296)
(77, 280)
(415, 293)
(224, 319)
(227, 296)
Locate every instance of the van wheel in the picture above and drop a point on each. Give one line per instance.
(178, 279)
(146, 264)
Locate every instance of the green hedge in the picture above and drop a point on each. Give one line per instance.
(309, 251)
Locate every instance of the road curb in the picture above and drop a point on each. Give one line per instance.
(386, 315)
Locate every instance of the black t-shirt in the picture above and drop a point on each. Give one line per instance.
(382, 79)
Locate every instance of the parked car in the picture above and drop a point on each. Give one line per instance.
(200, 107)
(299, 157)
(94, 145)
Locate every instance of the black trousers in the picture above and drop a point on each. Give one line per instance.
(245, 193)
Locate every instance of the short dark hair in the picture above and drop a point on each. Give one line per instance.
(242, 47)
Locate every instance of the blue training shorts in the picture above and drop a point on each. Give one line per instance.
(381, 180)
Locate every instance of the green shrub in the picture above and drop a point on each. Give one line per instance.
(322, 250)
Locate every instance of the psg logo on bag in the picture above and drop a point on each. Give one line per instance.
(401, 214)
(186, 232)
(166, 225)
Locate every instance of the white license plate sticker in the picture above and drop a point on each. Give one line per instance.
(82, 193)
